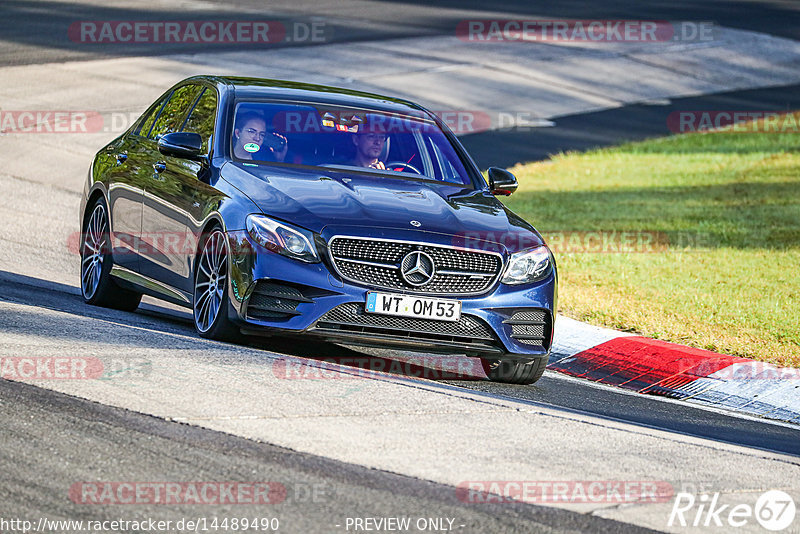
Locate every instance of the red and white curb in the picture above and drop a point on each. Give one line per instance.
(655, 367)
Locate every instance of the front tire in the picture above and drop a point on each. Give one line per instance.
(511, 372)
(210, 304)
(97, 286)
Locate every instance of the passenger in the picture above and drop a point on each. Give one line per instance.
(250, 134)
(368, 148)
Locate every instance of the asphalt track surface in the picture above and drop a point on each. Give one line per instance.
(49, 439)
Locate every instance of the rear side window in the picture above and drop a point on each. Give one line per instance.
(144, 128)
(201, 119)
(171, 117)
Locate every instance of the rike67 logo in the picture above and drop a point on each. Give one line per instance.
(774, 510)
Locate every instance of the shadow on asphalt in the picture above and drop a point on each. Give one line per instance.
(42, 28)
(50, 31)
(757, 15)
(319, 358)
(505, 148)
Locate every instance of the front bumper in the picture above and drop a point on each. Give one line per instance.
(271, 294)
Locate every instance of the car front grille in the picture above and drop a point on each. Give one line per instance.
(531, 327)
(351, 317)
(271, 300)
(379, 264)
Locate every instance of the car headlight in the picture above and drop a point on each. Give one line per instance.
(528, 266)
(281, 238)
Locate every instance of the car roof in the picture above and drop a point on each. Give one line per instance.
(263, 88)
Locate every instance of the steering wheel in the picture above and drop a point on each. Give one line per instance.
(391, 166)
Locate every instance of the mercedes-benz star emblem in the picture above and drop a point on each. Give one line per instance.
(417, 268)
(416, 224)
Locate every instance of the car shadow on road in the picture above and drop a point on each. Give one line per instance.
(153, 326)
(321, 359)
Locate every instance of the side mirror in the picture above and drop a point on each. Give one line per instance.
(186, 145)
(501, 182)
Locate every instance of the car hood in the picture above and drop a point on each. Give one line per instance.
(318, 201)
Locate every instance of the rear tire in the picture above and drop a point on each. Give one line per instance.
(511, 372)
(97, 286)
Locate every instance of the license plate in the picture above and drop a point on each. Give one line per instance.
(411, 306)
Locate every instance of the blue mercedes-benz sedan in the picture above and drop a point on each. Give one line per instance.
(280, 208)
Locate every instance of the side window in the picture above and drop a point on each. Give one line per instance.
(201, 119)
(145, 126)
(448, 172)
(172, 115)
(445, 161)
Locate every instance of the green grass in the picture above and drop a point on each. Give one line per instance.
(728, 204)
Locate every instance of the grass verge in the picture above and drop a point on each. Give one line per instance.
(702, 238)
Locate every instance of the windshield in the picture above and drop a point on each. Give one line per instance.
(336, 137)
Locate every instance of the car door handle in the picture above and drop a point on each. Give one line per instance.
(159, 166)
(121, 158)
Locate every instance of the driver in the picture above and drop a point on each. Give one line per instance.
(368, 147)
(249, 135)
